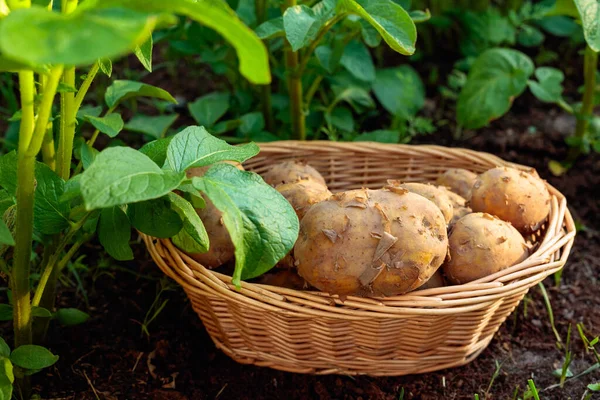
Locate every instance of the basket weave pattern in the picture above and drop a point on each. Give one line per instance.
(313, 332)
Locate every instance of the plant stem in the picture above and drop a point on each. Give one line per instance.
(265, 90)
(310, 93)
(294, 84)
(15, 4)
(48, 151)
(590, 65)
(67, 126)
(85, 85)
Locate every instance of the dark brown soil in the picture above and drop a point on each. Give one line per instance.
(108, 357)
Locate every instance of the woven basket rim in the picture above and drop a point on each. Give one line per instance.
(548, 257)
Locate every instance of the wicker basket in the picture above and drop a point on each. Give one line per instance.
(313, 332)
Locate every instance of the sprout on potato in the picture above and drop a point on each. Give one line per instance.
(371, 242)
(480, 245)
(458, 180)
(291, 171)
(513, 196)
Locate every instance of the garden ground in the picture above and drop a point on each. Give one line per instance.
(109, 358)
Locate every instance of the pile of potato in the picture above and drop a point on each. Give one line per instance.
(402, 237)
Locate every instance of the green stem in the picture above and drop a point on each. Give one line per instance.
(265, 90)
(48, 151)
(310, 93)
(15, 4)
(67, 126)
(54, 258)
(85, 85)
(294, 83)
(315, 43)
(590, 65)
(92, 140)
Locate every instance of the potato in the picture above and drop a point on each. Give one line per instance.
(458, 213)
(291, 171)
(221, 247)
(438, 196)
(371, 242)
(480, 245)
(283, 278)
(303, 194)
(458, 180)
(513, 196)
(436, 281)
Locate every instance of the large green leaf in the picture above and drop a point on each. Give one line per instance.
(301, 26)
(121, 90)
(589, 12)
(9, 65)
(71, 316)
(392, 22)
(155, 218)
(39, 36)
(195, 147)
(400, 91)
(156, 150)
(31, 356)
(50, 214)
(144, 53)
(271, 28)
(262, 224)
(495, 79)
(111, 124)
(207, 110)
(193, 228)
(7, 377)
(4, 348)
(152, 126)
(6, 237)
(121, 175)
(357, 60)
(548, 87)
(8, 172)
(114, 233)
(253, 56)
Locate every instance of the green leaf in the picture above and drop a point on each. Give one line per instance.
(121, 90)
(64, 88)
(381, 136)
(31, 356)
(88, 154)
(549, 87)
(72, 189)
(40, 312)
(105, 66)
(40, 36)
(225, 126)
(8, 172)
(589, 12)
(529, 36)
(270, 29)
(6, 312)
(357, 60)
(7, 378)
(207, 110)
(10, 65)
(594, 387)
(50, 214)
(6, 237)
(89, 111)
(496, 78)
(330, 56)
(301, 26)
(151, 126)
(252, 54)
(341, 118)
(262, 224)
(4, 348)
(111, 125)
(400, 91)
(6, 200)
(156, 150)
(121, 175)
(392, 22)
(559, 25)
(192, 225)
(114, 233)
(195, 147)
(563, 7)
(144, 53)
(354, 96)
(419, 16)
(155, 218)
(369, 34)
(71, 316)
(252, 123)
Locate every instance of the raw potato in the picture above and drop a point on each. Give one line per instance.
(480, 245)
(459, 180)
(291, 171)
(513, 196)
(371, 242)
(283, 278)
(459, 206)
(436, 281)
(459, 212)
(438, 196)
(221, 247)
(303, 194)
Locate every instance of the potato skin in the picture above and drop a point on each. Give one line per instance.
(436, 195)
(513, 196)
(371, 242)
(437, 280)
(285, 278)
(458, 180)
(221, 247)
(303, 194)
(480, 245)
(291, 171)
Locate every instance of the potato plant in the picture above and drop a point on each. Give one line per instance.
(57, 191)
